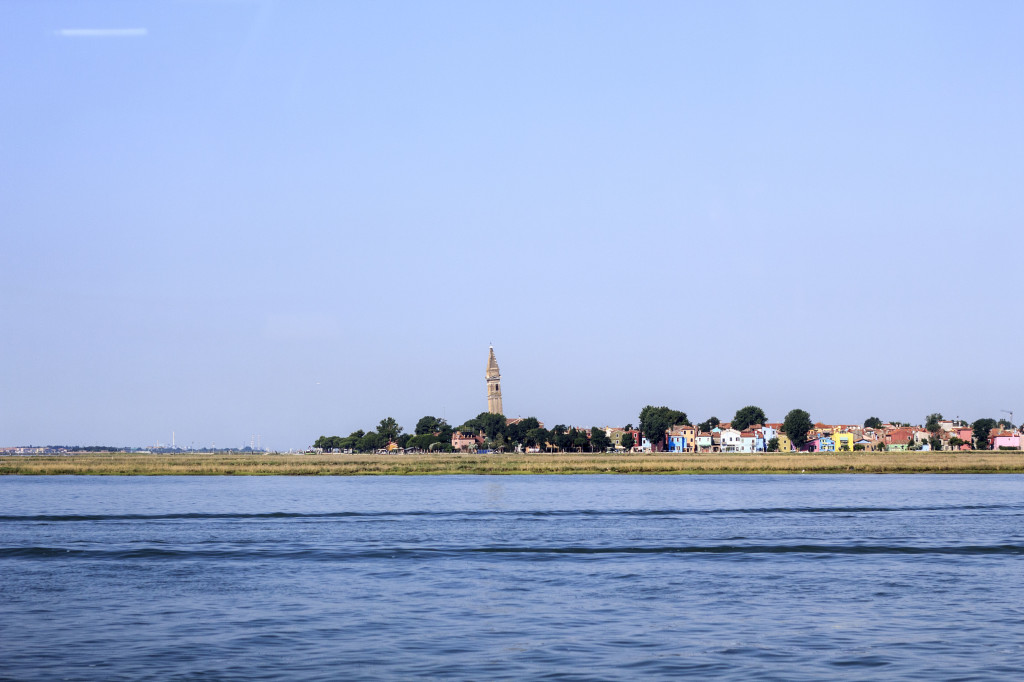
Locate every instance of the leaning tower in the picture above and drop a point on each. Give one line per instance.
(493, 385)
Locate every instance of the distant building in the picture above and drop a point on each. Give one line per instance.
(493, 385)
(681, 438)
(463, 441)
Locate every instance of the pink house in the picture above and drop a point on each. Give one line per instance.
(813, 445)
(462, 441)
(1004, 439)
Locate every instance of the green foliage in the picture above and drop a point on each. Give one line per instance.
(564, 440)
(872, 423)
(389, 429)
(371, 442)
(858, 447)
(706, 426)
(516, 433)
(747, 416)
(599, 439)
(796, 425)
(655, 421)
(981, 429)
(935, 443)
(431, 425)
(424, 441)
(538, 437)
(955, 442)
(1006, 424)
(491, 424)
(627, 441)
(772, 445)
(327, 443)
(931, 423)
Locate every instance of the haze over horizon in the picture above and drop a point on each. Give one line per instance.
(296, 219)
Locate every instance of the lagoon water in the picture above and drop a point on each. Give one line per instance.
(560, 577)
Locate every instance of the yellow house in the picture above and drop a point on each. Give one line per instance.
(785, 444)
(844, 441)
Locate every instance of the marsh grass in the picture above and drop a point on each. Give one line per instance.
(215, 464)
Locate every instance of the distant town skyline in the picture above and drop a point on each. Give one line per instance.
(227, 219)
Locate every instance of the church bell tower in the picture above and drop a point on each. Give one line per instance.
(493, 385)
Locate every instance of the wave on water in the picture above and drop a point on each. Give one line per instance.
(265, 552)
(205, 516)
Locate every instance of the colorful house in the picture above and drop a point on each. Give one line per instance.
(844, 441)
(1004, 439)
(730, 440)
(681, 438)
(463, 441)
(707, 442)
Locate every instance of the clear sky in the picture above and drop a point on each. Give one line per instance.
(222, 218)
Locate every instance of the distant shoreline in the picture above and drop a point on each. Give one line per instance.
(137, 464)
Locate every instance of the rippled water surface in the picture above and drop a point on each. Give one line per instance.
(564, 577)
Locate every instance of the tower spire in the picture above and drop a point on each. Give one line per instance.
(493, 384)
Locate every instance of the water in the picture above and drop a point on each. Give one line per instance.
(561, 577)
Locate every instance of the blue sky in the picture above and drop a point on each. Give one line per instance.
(222, 218)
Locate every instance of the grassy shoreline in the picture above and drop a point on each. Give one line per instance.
(200, 464)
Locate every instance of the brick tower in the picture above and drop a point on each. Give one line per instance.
(493, 385)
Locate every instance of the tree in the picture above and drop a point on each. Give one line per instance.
(746, 416)
(796, 425)
(955, 442)
(565, 439)
(709, 424)
(389, 429)
(538, 437)
(773, 445)
(491, 424)
(981, 428)
(371, 442)
(872, 423)
(328, 443)
(516, 433)
(655, 421)
(599, 439)
(423, 441)
(430, 425)
(627, 441)
(935, 443)
(1006, 424)
(931, 423)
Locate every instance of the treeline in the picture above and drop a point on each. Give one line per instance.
(435, 434)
